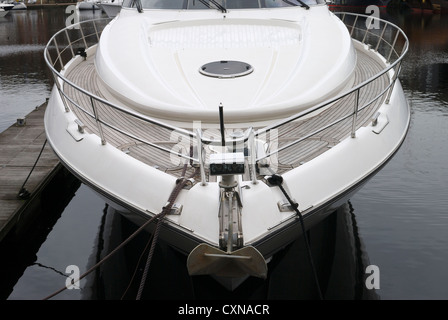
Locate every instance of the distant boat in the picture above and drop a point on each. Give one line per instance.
(19, 6)
(87, 5)
(13, 5)
(6, 6)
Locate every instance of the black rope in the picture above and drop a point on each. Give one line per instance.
(277, 180)
(136, 266)
(23, 193)
(149, 259)
(107, 256)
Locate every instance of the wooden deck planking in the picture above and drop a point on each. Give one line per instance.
(19, 149)
(366, 68)
(85, 76)
(139, 128)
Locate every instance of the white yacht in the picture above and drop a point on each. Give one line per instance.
(87, 5)
(227, 127)
(6, 7)
(19, 5)
(13, 5)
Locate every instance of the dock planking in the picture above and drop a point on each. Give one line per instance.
(20, 146)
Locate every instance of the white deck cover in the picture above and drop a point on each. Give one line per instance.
(156, 70)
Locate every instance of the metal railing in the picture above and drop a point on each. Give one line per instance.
(359, 28)
(387, 39)
(82, 27)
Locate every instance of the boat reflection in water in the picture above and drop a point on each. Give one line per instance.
(337, 248)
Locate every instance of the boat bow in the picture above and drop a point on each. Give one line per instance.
(155, 66)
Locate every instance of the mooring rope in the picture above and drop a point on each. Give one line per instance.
(277, 181)
(180, 184)
(23, 193)
(149, 259)
(106, 257)
(136, 266)
(159, 216)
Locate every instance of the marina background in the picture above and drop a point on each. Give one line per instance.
(398, 221)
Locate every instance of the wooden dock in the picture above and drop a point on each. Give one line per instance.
(22, 148)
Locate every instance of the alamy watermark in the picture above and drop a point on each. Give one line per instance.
(72, 281)
(373, 22)
(373, 278)
(73, 18)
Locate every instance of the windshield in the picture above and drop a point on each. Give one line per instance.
(228, 4)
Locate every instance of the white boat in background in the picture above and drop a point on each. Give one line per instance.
(229, 130)
(111, 8)
(19, 5)
(87, 5)
(6, 6)
(13, 5)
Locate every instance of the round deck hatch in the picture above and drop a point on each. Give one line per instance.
(226, 69)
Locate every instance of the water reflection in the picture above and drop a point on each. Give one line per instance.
(338, 254)
(25, 271)
(25, 80)
(431, 80)
(403, 208)
(425, 68)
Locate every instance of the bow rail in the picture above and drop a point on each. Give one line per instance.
(380, 36)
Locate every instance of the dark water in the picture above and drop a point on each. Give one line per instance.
(397, 222)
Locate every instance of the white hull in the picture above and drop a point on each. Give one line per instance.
(6, 6)
(19, 6)
(260, 220)
(340, 188)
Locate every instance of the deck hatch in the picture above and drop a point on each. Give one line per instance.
(226, 69)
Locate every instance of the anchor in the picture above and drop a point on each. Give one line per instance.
(208, 260)
(232, 259)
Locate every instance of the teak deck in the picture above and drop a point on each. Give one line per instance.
(20, 146)
(85, 76)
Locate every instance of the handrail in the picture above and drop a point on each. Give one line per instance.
(339, 97)
(93, 97)
(355, 90)
(362, 35)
